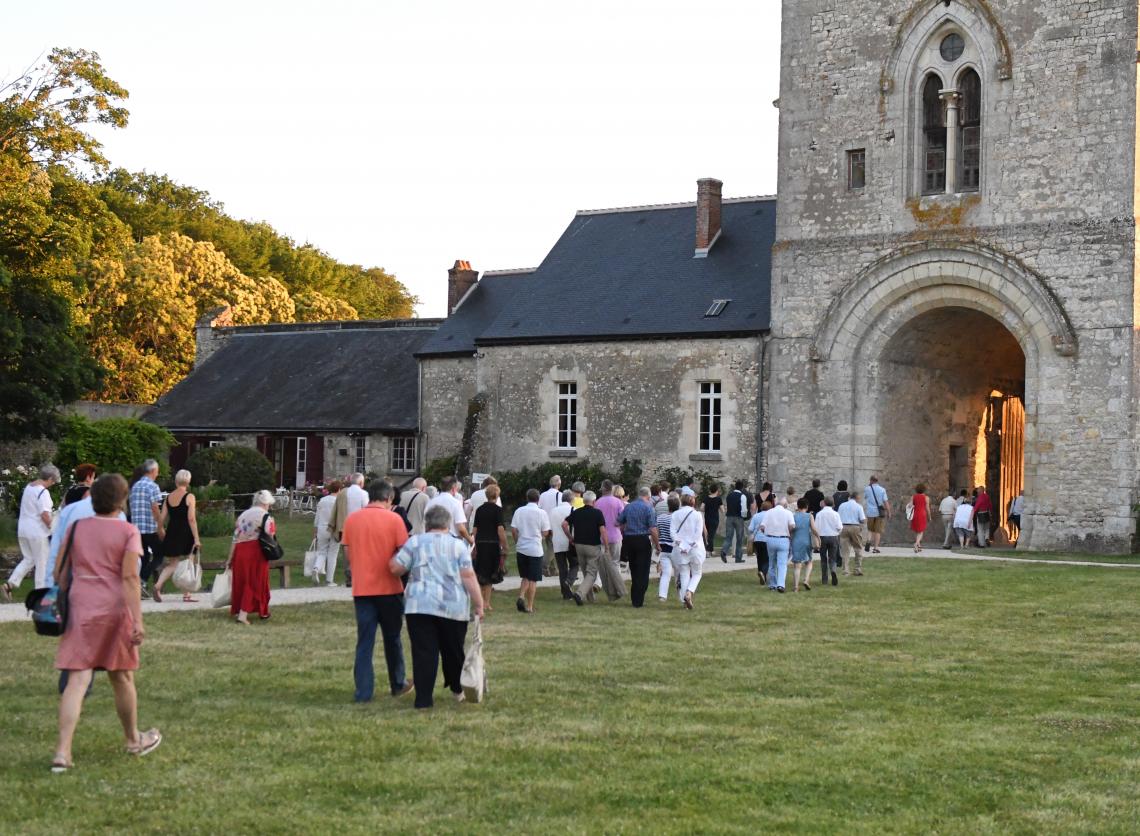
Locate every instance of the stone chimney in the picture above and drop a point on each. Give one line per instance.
(460, 279)
(206, 339)
(708, 215)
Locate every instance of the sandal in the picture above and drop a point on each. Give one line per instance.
(60, 766)
(156, 596)
(148, 742)
(189, 599)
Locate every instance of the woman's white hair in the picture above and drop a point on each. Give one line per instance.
(264, 498)
(182, 478)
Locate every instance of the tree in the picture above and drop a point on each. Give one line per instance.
(243, 469)
(113, 445)
(314, 306)
(42, 363)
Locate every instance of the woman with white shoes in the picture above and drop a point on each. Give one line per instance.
(665, 545)
(687, 527)
(328, 546)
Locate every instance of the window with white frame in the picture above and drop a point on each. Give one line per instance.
(403, 454)
(302, 454)
(709, 413)
(359, 454)
(567, 416)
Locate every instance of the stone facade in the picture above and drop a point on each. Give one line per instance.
(636, 400)
(1044, 250)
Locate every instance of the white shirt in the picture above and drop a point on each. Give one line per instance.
(477, 499)
(357, 499)
(778, 522)
(1015, 507)
(851, 513)
(324, 512)
(827, 522)
(550, 499)
(531, 522)
(688, 529)
(35, 501)
(451, 502)
(964, 517)
(557, 517)
(948, 506)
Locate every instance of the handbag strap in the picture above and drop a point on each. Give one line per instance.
(65, 559)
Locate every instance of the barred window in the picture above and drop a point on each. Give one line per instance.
(934, 137)
(567, 416)
(970, 117)
(360, 459)
(709, 415)
(856, 169)
(403, 454)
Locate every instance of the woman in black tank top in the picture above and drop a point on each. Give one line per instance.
(181, 526)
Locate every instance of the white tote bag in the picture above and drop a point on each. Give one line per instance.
(188, 574)
(311, 556)
(473, 679)
(220, 591)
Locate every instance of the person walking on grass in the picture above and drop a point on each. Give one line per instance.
(760, 545)
(946, 509)
(665, 545)
(778, 525)
(564, 554)
(414, 502)
(983, 517)
(327, 545)
(371, 538)
(249, 588)
(450, 499)
(712, 505)
(1016, 508)
(442, 590)
(180, 521)
(84, 477)
(98, 572)
(33, 531)
(829, 527)
(737, 510)
(490, 545)
(611, 507)
(687, 527)
(877, 511)
(639, 530)
(919, 512)
(146, 515)
(964, 521)
(586, 529)
(530, 527)
(852, 517)
(802, 535)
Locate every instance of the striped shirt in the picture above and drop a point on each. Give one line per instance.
(665, 530)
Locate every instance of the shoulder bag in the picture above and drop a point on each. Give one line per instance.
(48, 605)
(311, 557)
(188, 573)
(473, 678)
(270, 548)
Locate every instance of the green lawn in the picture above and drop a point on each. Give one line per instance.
(929, 696)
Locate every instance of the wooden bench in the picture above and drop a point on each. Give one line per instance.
(282, 567)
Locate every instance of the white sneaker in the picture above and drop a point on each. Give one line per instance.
(330, 584)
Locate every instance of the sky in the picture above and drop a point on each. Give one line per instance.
(408, 135)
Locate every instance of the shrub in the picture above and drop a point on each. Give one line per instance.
(243, 469)
(438, 469)
(14, 480)
(211, 493)
(113, 445)
(514, 484)
(678, 476)
(215, 524)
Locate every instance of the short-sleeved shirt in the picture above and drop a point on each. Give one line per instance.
(36, 500)
(665, 529)
(874, 496)
(948, 506)
(827, 522)
(755, 523)
(638, 518)
(964, 517)
(982, 504)
(779, 522)
(611, 508)
(559, 540)
(415, 503)
(550, 499)
(814, 499)
(373, 535)
(532, 523)
(712, 506)
(452, 504)
(434, 561)
(144, 493)
(488, 518)
(81, 510)
(851, 513)
(586, 524)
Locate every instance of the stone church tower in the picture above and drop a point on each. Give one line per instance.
(953, 285)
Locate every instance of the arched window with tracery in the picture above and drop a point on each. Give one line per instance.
(933, 136)
(970, 117)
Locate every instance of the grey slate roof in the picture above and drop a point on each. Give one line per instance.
(630, 273)
(346, 377)
(494, 291)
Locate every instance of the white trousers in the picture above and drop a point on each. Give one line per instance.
(691, 572)
(33, 555)
(666, 566)
(329, 549)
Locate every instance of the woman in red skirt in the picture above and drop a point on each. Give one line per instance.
(249, 586)
(920, 515)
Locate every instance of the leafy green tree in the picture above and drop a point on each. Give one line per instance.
(243, 469)
(114, 445)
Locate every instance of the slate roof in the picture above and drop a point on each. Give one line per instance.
(630, 274)
(477, 310)
(344, 377)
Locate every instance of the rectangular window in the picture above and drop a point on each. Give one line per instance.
(935, 181)
(971, 159)
(360, 462)
(404, 454)
(216, 443)
(567, 416)
(856, 169)
(709, 414)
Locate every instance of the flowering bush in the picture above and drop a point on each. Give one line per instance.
(12, 482)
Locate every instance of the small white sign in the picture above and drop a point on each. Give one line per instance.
(477, 478)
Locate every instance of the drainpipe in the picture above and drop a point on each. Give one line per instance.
(761, 398)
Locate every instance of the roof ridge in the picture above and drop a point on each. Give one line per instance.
(509, 271)
(683, 205)
(333, 325)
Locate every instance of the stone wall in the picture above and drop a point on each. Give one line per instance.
(637, 400)
(1046, 247)
(447, 385)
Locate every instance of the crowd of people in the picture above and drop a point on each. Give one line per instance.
(429, 559)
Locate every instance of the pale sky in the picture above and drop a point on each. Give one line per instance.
(408, 135)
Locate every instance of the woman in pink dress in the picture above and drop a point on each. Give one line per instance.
(920, 517)
(100, 573)
(249, 588)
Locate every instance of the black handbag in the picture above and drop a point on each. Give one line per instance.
(270, 548)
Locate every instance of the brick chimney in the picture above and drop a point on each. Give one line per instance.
(708, 215)
(207, 339)
(460, 279)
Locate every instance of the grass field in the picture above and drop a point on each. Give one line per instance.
(929, 696)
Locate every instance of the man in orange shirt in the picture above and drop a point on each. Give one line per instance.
(371, 538)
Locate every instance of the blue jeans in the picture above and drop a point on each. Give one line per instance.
(778, 548)
(734, 528)
(387, 612)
